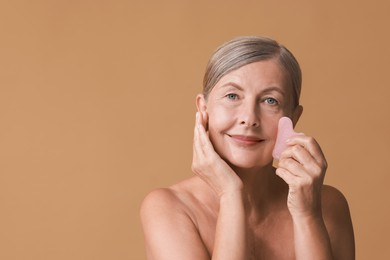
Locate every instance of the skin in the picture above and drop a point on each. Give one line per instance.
(238, 206)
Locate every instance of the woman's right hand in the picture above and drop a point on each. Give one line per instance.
(208, 165)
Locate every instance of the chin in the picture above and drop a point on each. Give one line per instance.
(245, 157)
(249, 163)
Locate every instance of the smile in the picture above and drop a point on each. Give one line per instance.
(246, 139)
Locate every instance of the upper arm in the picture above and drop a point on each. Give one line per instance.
(339, 224)
(168, 230)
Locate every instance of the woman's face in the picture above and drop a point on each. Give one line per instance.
(243, 110)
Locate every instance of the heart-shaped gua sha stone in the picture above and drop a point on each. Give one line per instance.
(285, 131)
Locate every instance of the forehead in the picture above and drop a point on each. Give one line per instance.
(257, 75)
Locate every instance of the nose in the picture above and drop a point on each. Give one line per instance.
(249, 115)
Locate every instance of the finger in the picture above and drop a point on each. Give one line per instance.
(203, 136)
(298, 160)
(197, 147)
(204, 120)
(196, 132)
(298, 153)
(291, 165)
(202, 144)
(286, 175)
(311, 145)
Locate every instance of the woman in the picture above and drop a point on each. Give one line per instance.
(238, 206)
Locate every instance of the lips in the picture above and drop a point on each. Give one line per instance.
(246, 139)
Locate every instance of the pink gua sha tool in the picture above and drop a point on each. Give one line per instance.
(285, 131)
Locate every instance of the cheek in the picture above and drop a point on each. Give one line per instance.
(220, 118)
(269, 126)
(220, 121)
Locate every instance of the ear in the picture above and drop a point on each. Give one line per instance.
(201, 103)
(297, 114)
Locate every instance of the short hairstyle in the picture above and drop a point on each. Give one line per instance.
(244, 50)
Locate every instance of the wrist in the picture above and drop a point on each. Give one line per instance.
(308, 214)
(231, 194)
(308, 220)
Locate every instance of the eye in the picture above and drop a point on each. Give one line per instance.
(271, 101)
(232, 96)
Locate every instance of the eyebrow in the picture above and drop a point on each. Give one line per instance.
(232, 84)
(270, 89)
(267, 90)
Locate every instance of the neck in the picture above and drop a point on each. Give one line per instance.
(252, 177)
(261, 186)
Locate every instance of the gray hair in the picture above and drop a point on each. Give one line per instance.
(243, 50)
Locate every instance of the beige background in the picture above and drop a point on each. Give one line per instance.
(97, 108)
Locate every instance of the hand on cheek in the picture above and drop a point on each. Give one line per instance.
(208, 165)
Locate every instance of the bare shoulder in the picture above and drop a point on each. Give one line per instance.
(169, 202)
(169, 230)
(335, 205)
(162, 206)
(158, 200)
(335, 208)
(338, 222)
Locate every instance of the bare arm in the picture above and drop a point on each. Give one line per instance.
(231, 236)
(330, 234)
(338, 223)
(171, 234)
(169, 231)
(311, 239)
(302, 166)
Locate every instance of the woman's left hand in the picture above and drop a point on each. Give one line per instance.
(302, 166)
